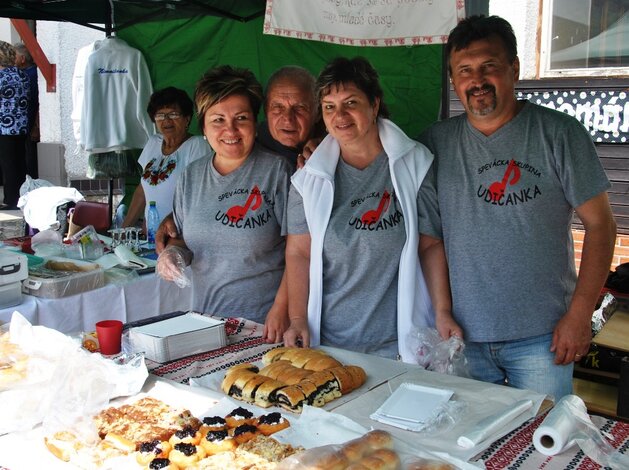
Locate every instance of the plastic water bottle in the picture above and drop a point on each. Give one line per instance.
(152, 222)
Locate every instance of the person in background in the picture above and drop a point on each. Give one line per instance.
(14, 99)
(24, 61)
(166, 154)
(230, 209)
(291, 111)
(354, 246)
(509, 175)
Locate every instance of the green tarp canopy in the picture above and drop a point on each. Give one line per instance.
(181, 39)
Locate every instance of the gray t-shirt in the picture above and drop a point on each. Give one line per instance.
(235, 225)
(506, 205)
(361, 253)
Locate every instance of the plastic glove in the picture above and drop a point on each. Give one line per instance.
(171, 264)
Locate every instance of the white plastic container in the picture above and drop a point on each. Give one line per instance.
(13, 267)
(178, 337)
(10, 294)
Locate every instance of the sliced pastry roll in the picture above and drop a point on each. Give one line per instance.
(250, 388)
(321, 362)
(344, 379)
(274, 369)
(234, 382)
(291, 398)
(265, 394)
(292, 375)
(273, 355)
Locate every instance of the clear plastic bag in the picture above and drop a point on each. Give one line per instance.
(375, 449)
(29, 184)
(439, 355)
(64, 384)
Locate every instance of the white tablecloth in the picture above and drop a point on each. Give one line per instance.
(137, 299)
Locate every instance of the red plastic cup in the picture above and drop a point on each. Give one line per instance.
(109, 334)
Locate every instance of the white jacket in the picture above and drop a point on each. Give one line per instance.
(409, 162)
(116, 90)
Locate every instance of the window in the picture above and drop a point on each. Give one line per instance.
(585, 37)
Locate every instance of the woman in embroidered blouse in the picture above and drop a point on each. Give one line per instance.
(166, 154)
(354, 220)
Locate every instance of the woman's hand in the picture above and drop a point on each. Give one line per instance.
(276, 324)
(447, 326)
(297, 334)
(171, 264)
(166, 231)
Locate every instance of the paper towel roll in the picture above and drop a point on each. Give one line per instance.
(560, 427)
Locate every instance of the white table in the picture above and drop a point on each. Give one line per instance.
(140, 298)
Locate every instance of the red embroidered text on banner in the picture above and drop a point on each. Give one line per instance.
(375, 23)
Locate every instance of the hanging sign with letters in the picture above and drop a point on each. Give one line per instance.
(377, 23)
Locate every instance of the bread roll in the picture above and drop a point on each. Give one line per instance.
(379, 439)
(372, 463)
(327, 461)
(389, 457)
(354, 450)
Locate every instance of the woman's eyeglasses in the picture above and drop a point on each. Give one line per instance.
(162, 116)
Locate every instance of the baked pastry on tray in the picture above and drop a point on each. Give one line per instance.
(291, 378)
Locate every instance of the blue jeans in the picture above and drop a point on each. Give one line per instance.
(526, 363)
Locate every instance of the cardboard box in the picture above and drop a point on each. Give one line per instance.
(178, 337)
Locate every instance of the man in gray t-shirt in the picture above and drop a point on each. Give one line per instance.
(509, 175)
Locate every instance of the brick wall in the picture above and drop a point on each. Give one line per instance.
(621, 251)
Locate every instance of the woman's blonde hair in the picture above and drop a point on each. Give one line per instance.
(221, 82)
(7, 54)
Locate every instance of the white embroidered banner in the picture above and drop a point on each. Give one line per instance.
(377, 23)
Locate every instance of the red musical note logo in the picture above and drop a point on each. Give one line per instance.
(497, 189)
(372, 216)
(237, 213)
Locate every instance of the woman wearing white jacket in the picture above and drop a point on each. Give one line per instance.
(359, 274)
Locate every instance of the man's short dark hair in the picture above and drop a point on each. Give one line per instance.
(479, 27)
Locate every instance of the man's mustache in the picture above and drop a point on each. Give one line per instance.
(485, 87)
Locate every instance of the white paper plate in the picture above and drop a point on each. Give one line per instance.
(416, 403)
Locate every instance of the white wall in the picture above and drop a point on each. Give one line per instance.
(61, 43)
(7, 33)
(523, 15)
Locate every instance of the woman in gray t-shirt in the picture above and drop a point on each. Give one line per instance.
(230, 209)
(353, 271)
